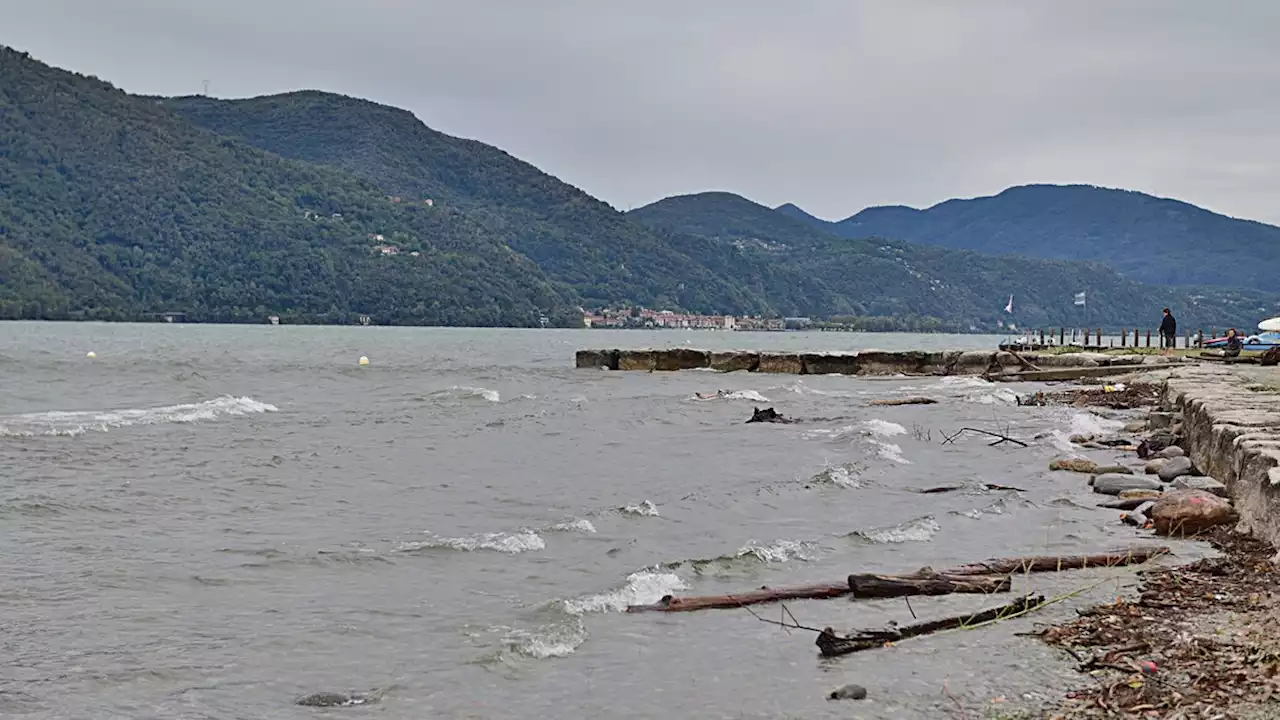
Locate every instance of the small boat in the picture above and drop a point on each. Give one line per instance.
(1256, 343)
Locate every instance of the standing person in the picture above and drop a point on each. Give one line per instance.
(1168, 331)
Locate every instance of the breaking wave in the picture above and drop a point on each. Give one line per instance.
(919, 530)
(845, 475)
(876, 427)
(574, 525)
(1001, 396)
(60, 423)
(552, 640)
(510, 543)
(640, 509)
(644, 587)
(753, 553)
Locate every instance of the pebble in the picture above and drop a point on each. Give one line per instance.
(848, 692)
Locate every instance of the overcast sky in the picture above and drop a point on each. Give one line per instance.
(832, 104)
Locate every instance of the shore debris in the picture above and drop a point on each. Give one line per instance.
(870, 586)
(1116, 397)
(830, 644)
(1197, 643)
(954, 488)
(997, 566)
(1000, 438)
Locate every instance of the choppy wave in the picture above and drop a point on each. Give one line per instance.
(644, 508)
(751, 395)
(74, 423)
(999, 507)
(752, 554)
(552, 640)
(1001, 396)
(845, 475)
(510, 543)
(919, 530)
(644, 587)
(574, 525)
(876, 427)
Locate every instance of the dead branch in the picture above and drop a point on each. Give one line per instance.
(831, 644)
(953, 488)
(671, 603)
(950, 439)
(905, 401)
(865, 586)
(1116, 558)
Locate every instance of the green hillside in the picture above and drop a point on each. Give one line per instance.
(111, 207)
(1146, 238)
(904, 280)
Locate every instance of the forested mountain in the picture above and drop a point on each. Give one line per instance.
(1146, 238)
(785, 262)
(322, 208)
(575, 238)
(112, 207)
(889, 277)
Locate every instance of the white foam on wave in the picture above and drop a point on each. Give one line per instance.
(891, 452)
(1083, 423)
(963, 381)
(642, 588)
(480, 392)
(553, 640)
(1002, 396)
(751, 395)
(919, 530)
(845, 475)
(57, 422)
(780, 551)
(876, 427)
(644, 508)
(574, 525)
(510, 543)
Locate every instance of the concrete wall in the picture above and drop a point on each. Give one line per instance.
(1231, 431)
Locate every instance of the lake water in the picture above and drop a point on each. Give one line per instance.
(211, 521)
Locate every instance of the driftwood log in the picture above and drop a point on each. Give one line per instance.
(953, 488)
(670, 603)
(1115, 558)
(997, 566)
(867, 586)
(831, 644)
(905, 401)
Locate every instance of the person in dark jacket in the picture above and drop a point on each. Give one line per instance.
(1168, 330)
(1234, 345)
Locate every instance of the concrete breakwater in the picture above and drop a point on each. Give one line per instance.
(1231, 430)
(863, 362)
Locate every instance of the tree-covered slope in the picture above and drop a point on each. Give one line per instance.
(1146, 238)
(882, 277)
(113, 207)
(573, 237)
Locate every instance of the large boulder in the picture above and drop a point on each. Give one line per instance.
(1175, 468)
(1172, 451)
(1190, 512)
(1115, 483)
(1153, 466)
(1199, 482)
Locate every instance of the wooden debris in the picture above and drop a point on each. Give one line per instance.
(950, 439)
(905, 401)
(1116, 558)
(671, 603)
(830, 644)
(953, 488)
(865, 586)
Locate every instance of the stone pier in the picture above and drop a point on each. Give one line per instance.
(864, 362)
(1231, 430)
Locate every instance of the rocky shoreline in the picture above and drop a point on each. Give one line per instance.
(1198, 642)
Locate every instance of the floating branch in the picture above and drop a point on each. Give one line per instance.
(831, 644)
(865, 586)
(905, 401)
(953, 488)
(1002, 438)
(670, 603)
(1131, 556)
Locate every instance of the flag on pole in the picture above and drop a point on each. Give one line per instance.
(1079, 298)
(1009, 308)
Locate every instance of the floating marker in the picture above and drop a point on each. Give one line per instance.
(91, 355)
(364, 360)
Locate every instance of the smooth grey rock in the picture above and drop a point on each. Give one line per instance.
(1199, 482)
(1114, 483)
(331, 699)
(1175, 468)
(1154, 466)
(848, 692)
(1157, 420)
(1111, 470)
(1135, 427)
(1172, 451)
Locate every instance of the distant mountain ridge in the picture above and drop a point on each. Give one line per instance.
(1151, 239)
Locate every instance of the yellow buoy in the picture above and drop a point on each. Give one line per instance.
(364, 360)
(91, 355)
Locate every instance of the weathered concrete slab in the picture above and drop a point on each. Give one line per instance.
(735, 360)
(607, 359)
(637, 360)
(1232, 433)
(681, 359)
(830, 363)
(788, 363)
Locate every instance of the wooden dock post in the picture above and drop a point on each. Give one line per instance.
(1099, 336)
(1124, 336)
(1061, 336)
(1041, 337)
(1148, 337)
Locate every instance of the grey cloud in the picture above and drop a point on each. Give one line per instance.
(832, 104)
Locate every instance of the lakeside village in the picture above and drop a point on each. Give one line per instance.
(644, 318)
